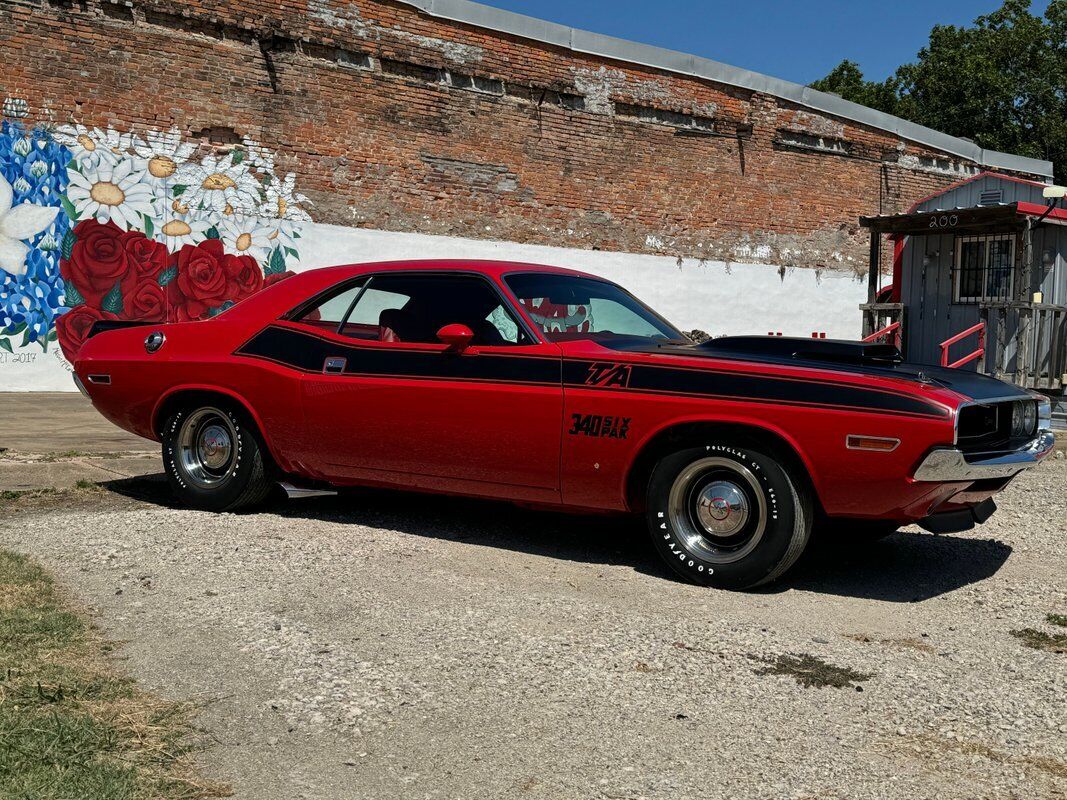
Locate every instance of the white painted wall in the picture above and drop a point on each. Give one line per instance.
(714, 296)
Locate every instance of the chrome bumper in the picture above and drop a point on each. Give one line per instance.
(950, 464)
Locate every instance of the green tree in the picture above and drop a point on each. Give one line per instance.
(1001, 82)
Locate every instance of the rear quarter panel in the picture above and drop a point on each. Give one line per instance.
(195, 356)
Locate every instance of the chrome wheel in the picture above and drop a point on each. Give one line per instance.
(207, 447)
(717, 508)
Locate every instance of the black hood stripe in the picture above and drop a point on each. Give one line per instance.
(307, 352)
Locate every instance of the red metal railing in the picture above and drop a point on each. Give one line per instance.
(893, 330)
(977, 354)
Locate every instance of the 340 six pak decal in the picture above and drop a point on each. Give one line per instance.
(598, 425)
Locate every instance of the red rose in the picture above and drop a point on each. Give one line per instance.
(73, 328)
(270, 280)
(96, 262)
(175, 302)
(145, 257)
(148, 302)
(243, 276)
(201, 279)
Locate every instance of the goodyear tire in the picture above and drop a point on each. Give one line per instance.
(213, 458)
(729, 516)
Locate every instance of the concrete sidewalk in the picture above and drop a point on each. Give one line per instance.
(53, 440)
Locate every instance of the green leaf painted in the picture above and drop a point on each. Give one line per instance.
(53, 335)
(167, 275)
(276, 263)
(238, 155)
(26, 337)
(68, 244)
(212, 233)
(178, 189)
(292, 251)
(73, 296)
(5, 344)
(68, 207)
(15, 330)
(149, 226)
(113, 301)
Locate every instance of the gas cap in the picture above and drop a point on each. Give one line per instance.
(154, 341)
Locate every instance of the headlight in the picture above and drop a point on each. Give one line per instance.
(1023, 418)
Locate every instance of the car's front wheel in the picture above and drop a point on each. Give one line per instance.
(727, 515)
(213, 458)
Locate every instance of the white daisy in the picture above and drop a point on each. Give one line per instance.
(164, 151)
(176, 226)
(112, 192)
(282, 207)
(247, 236)
(259, 156)
(86, 145)
(218, 185)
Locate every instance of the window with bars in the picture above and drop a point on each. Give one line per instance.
(984, 269)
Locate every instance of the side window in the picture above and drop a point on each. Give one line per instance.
(329, 313)
(412, 308)
(364, 322)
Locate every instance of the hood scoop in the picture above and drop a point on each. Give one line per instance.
(840, 351)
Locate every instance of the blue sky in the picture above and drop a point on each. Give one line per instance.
(798, 41)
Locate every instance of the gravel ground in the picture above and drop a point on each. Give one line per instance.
(383, 645)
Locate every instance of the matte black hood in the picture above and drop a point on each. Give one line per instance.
(843, 355)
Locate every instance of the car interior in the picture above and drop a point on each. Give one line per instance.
(413, 308)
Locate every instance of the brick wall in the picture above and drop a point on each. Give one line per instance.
(398, 121)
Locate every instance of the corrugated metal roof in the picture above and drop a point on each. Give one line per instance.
(596, 44)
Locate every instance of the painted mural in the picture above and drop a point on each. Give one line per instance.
(101, 224)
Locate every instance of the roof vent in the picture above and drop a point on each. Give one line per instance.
(991, 197)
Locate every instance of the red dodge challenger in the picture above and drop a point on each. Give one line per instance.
(555, 388)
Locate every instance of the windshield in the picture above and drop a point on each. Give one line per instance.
(569, 307)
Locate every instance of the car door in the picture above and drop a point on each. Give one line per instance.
(393, 404)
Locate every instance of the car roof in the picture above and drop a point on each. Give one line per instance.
(492, 268)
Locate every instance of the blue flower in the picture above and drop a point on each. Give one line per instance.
(35, 166)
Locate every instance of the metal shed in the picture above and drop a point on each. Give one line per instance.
(979, 281)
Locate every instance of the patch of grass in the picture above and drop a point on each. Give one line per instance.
(84, 483)
(17, 494)
(62, 456)
(69, 726)
(1057, 619)
(1039, 640)
(67, 455)
(809, 670)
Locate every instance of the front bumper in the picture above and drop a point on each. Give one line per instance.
(949, 464)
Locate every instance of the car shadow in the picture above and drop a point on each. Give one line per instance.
(902, 568)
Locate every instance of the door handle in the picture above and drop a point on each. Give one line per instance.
(334, 365)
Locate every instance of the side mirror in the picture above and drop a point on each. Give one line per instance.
(456, 336)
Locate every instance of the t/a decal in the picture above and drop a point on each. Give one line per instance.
(609, 375)
(597, 425)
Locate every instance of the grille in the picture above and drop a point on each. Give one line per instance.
(984, 427)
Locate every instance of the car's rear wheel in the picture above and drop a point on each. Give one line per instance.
(213, 459)
(729, 516)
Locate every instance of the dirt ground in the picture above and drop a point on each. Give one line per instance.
(381, 645)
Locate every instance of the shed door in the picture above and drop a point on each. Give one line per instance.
(945, 278)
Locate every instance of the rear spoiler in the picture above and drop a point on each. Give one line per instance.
(105, 325)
